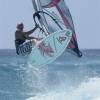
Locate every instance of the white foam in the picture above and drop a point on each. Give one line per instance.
(89, 90)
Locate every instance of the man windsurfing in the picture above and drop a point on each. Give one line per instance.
(21, 37)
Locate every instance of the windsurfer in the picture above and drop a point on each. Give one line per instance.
(21, 36)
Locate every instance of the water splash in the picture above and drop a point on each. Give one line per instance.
(88, 90)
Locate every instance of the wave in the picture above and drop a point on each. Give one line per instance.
(68, 78)
(87, 90)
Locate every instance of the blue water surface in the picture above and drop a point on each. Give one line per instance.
(68, 78)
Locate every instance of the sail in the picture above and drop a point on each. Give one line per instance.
(67, 20)
(54, 35)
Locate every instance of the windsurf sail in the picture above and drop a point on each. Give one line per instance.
(61, 15)
(55, 36)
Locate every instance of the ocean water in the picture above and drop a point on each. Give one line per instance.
(68, 78)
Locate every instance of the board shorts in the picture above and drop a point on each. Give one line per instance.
(24, 49)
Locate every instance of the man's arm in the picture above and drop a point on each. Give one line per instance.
(31, 31)
(30, 37)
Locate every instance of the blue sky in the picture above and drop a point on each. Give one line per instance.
(85, 13)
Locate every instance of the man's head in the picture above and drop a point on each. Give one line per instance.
(20, 26)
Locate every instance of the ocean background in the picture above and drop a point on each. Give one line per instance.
(68, 78)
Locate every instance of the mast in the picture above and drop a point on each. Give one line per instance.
(38, 7)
